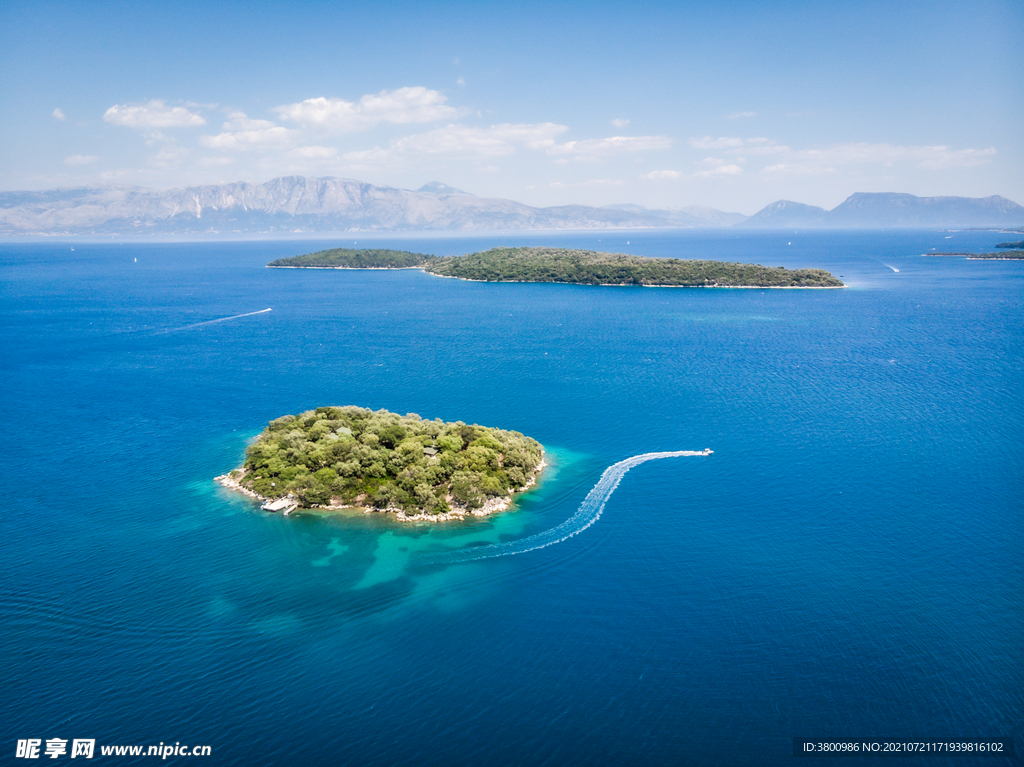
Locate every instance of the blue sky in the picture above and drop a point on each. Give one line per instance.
(731, 105)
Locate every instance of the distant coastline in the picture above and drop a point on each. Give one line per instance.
(350, 268)
(619, 284)
(1006, 255)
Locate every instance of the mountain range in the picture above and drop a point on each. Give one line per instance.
(301, 204)
(883, 210)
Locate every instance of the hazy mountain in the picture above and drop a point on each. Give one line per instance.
(694, 215)
(436, 187)
(891, 210)
(292, 204)
(302, 204)
(907, 210)
(788, 214)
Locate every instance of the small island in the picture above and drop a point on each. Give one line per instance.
(1019, 244)
(577, 267)
(354, 458)
(349, 258)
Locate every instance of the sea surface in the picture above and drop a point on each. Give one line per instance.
(846, 564)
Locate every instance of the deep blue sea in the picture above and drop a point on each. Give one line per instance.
(846, 564)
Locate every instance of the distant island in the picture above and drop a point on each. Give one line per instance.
(578, 267)
(350, 258)
(1006, 255)
(352, 457)
(1019, 244)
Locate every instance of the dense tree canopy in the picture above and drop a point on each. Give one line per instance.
(581, 267)
(353, 456)
(1015, 255)
(591, 268)
(356, 259)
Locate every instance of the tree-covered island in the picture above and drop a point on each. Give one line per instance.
(580, 267)
(351, 457)
(585, 267)
(350, 258)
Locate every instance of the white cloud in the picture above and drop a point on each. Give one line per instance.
(213, 162)
(314, 153)
(595, 182)
(603, 147)
(123, 175)
(80, 159)
(654, 175)
(620, 122)
(712, 143)
(932, 157)
(764, 149)
(754, 146)
(258, 138)
(721, 170)
(240, 132)
(155, 114)
(820, 161)
(169, 156)
(801, 168)
(715, 162)
(464, 141)
(737, 115)
(404, 105)
(940, 157)
(827, 159)
(461, 81)
(238, 121)
(59, 115)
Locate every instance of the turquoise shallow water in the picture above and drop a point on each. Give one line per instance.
(846, 564)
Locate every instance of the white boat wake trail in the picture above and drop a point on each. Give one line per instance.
(212, 322)
(588, 513)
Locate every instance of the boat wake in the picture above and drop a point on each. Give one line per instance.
(588, 513)
(211, 322)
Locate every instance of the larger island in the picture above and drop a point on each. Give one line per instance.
(579, 267)
(351, 457)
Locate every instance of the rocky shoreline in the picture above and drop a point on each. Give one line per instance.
(621, 284)
(491, 506)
